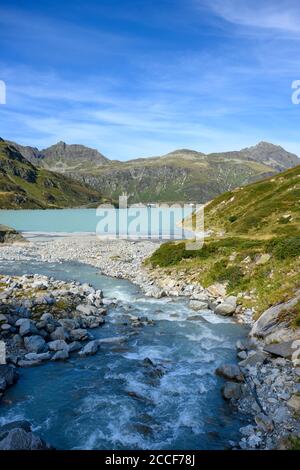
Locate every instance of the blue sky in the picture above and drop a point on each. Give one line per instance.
(137, 78)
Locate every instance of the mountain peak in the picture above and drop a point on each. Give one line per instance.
(270, 154)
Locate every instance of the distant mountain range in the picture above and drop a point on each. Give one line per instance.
(182, 175)
(24, 186)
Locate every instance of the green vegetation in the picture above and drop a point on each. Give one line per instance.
(249, 250)
(23, 186)
(294, 443)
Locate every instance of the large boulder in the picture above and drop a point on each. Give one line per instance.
(232, 391)
(61, 355)
(86, 309)
(253, 358)
(280, 349)
(268, 322)
(35, 344)
(19, 439)
(58, 345)
(228, 307)
(27, 327)
(59, 333)
(23, 424)
(90, 349)
(79, 334)
(231, 372)
(294, 404)
(38, 357)
(8, 376)
(10, 235)
(198, 305)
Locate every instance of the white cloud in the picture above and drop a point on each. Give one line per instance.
(268, 14)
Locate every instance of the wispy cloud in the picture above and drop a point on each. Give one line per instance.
(269, 14)
(133, 93)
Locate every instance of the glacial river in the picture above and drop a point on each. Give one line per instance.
(115, 399)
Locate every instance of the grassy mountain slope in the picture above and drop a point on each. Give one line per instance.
(179, 176)
(254, 243)
(182, 175)
(22, 185)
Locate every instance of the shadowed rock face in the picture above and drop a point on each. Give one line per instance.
(9, 235)
(273, 155)
(26, 186)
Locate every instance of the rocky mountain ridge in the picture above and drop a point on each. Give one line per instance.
(179, 176)
(25, 186)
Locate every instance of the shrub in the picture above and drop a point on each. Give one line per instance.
(231, 274)
(283, 248)
(169, 254)
(232, 218)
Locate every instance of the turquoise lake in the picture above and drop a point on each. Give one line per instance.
(136, 222)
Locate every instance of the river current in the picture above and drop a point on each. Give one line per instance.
(116, 399)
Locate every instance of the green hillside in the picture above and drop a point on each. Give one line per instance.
(23, 186)
(253, 244)
(180, 176)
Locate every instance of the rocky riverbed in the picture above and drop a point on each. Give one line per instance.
(47, 320)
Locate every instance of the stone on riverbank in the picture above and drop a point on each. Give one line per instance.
(61, 355)
(89, 349)
(10, 235)
(8, 376)
(198, 305)
(283, 349)
(19, 438)
(228, 307)
(232, 390)
(231, 372)
(58, 345)
(35, 344)
(268, 321)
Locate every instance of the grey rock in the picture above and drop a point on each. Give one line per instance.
(79, 334)
(90, 349)
(294, 403)
(61, 355)
(281, 415)
(230, 371)
(86, 309)
(27, 327)
(17, 341)
(198, 305)
(59, 333)
(22, 424)
(232, 390)
(35, 344)
(268, 321)
(58, 345)
(69, 324)
(227, 307)
(254, 359)
(247, 430)
(264, 423)
(280, 349)
(19, 439)
(112, 340)
(242, 355)
(92, 322)
(75, 346)
(27, 363)
(244, 344)
(38, 357)
(47, 317)
(8, 375)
